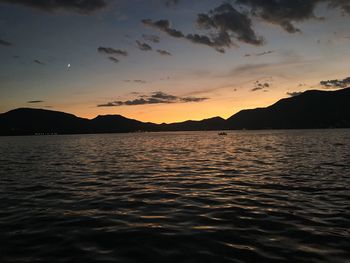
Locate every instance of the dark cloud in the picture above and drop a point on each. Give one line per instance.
(163, 25)
(35, 101)
(39, 62)
(163, 52)
(285, 13)
(224, 24)
(151, 38)
(164, 96)
(294, 93)
(136, 81)
(205, 40)
(282, 12)
(78, 6)
(193, 99)
(113, 59)
(260, 54)
(5, 43)
(143, 46)
(261, 86)
(232, 21)
(154, 98)
(112, 51)
(336, 83)
(229, 23)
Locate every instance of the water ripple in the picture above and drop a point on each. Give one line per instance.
(267, 196)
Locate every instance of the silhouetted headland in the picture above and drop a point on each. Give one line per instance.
(312, 109)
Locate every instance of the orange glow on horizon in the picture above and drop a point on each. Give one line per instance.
(175, 112)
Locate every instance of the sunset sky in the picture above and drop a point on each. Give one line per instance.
(167, 61)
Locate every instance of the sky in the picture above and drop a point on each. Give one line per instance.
(169, 60)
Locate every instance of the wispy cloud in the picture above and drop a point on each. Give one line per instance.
(163, 52)
(154, 98)
(112, 51)
(113, 59)
(35, 101)
(260, 54)
(143, 46)
(39, 62)
(5, 43)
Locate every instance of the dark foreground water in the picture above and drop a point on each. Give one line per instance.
(176, 197)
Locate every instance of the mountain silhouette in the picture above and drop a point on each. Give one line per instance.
(26, 121)
(118, 123)
(311, 109)
(216, 123)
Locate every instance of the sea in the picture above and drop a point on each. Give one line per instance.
(249, 196)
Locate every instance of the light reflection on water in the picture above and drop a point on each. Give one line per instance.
(190, 196)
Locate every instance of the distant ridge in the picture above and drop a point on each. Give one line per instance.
(309, 110)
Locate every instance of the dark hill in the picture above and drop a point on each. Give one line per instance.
(211, 124)
(311, 109)
(25, 121)
(118, 123)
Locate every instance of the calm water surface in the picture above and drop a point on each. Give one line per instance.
(183, 197)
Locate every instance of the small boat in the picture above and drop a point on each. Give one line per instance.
(222, 133)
